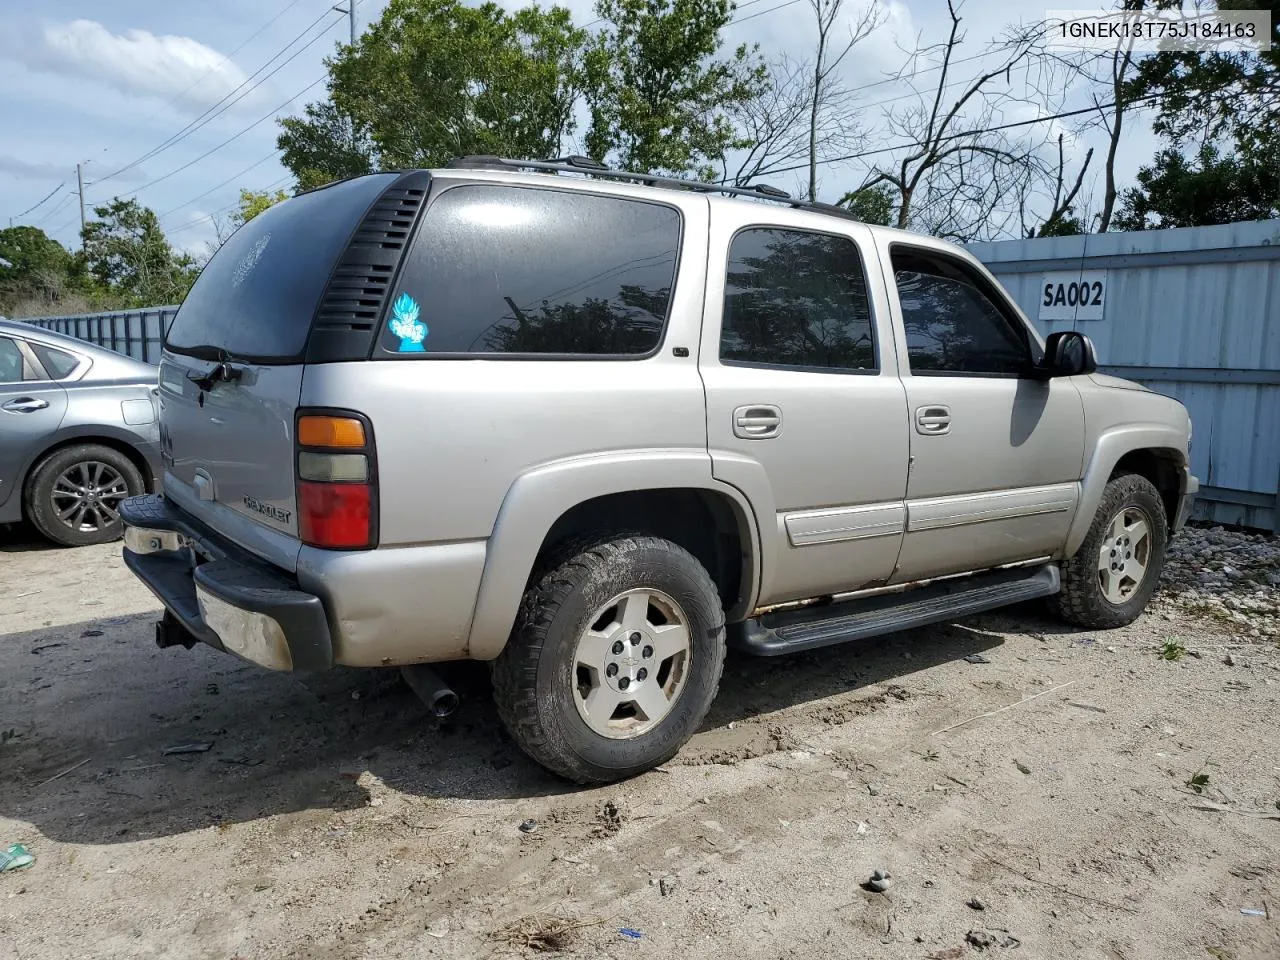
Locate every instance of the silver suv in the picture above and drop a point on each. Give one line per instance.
(591, 426)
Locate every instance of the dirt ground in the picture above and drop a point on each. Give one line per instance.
(1040, 805)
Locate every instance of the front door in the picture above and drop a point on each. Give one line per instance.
(996, 453)
(31, 408)
(803, 397)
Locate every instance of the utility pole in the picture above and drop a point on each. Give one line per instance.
(350, 11)
(80, 190)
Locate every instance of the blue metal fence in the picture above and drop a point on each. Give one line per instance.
(135, 333)
(1192, 313)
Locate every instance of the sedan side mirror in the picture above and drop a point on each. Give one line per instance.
(1068, 353)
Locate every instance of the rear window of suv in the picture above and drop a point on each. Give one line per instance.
(257, 296)
(503, 270)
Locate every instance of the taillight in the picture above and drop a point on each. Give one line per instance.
(337, 481)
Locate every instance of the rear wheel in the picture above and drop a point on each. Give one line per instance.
(1110, 579)
(614, 660)
(74, 496)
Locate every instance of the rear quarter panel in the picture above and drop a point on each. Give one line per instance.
(453, 436)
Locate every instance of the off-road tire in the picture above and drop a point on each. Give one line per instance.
(533, 678)
(40, 507)
(1081, 601)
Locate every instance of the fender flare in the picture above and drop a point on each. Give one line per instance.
(541, 496)
(1107, 452)
(89, 433)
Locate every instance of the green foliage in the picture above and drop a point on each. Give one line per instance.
(1198, 782)
(871, 204)
(127, 253)
(1231, 97)
(432, 80)
(253, 202)
(1172, 650)
(659, 97)
(435, 79)
(1177, 191)
(324, 145)
(1064, 226)
(35, 269)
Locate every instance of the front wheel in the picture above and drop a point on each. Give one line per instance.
(1109, 580)
(614, 661)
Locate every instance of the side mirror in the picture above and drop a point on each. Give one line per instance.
(1068, 353)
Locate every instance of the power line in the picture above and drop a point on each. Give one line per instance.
(237, 176)
(227, 209)
(218, 108)
(42, 201)
(761, 13)
(233, 137)
(59, 206)
(966, 133)
(225, 60)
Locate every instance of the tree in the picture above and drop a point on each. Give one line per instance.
(34, 269)
(871, 204)
(435, 79)
(1176, 192)
(827, 58)
(660, 100)
(254, 202)
(127, 253)
(1206, 97)
(1060, 220)
(324, 145)
(956, 179)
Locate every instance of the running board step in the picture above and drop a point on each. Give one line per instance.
(790, 631)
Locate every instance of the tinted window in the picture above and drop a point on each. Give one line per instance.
(952, 325)
(516, 270)
(57, 363)
(10, 361)
(257, 296)
(796, 299)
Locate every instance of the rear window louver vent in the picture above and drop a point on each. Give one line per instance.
(346, 320)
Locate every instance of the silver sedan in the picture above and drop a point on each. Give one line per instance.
(78, 434)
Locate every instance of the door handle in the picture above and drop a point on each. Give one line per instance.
(757, 422)
(933, 421)
(26, 405)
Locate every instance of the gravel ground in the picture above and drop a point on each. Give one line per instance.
(1228, 575)
(1107, 795)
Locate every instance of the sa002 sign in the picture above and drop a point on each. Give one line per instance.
(1073, 295)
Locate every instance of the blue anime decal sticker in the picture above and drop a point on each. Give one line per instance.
(406, 325)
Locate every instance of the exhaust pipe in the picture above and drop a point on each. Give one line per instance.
(431, 690)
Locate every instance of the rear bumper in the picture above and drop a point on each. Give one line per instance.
(220, 595)
(1191, 487)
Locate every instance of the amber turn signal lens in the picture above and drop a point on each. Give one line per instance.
(330, 432)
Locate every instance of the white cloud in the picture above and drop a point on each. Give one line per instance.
(136, 62)
(24, 170)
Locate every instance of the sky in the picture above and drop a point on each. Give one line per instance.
(106, 85)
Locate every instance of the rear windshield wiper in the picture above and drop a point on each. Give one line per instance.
(222, 372)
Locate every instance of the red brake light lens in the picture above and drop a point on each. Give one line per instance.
(335, 515)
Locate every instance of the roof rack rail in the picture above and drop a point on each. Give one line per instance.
(594, 168)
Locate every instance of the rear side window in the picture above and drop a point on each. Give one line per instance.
(11, 365)
(796, 299)
(57, 363)
(257, 296)
(515, 270)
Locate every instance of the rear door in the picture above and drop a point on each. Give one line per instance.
(31, 408)
(232, 367)
(800, 375)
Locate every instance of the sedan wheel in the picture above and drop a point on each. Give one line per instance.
(73, 497)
